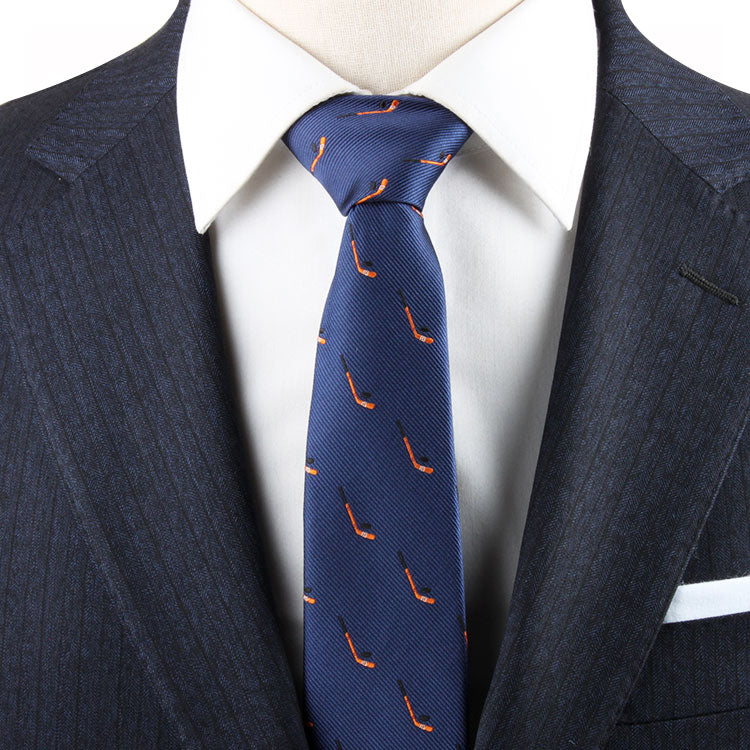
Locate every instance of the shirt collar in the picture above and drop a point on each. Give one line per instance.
(526, 88)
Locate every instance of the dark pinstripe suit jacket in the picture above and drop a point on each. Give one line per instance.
(134, 606)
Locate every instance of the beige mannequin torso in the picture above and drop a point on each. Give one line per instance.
(378, 45)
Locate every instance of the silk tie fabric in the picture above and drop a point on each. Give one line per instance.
(385, 642)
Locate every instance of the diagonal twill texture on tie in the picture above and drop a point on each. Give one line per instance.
(385, 642)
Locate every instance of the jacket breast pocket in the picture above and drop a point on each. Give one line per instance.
(694, 689)
(727, 730)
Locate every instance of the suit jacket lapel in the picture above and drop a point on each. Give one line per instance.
(648, 401)
(110, 298)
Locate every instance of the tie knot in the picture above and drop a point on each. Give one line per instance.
(375, 148)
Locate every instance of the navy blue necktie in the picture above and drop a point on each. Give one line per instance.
(385, 643)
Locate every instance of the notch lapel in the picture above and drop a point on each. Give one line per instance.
(110, 300)
(649, 397)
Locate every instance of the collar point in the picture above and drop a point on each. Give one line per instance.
(202, 220)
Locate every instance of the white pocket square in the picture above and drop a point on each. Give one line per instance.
(696, 601)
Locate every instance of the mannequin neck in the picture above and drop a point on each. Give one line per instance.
(376, 45)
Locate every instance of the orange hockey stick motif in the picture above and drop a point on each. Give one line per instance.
(361, 401)
(385, 107)
(306, 596)
(376, 190)
(364, 658)
(309, 466)
(421, 723)
(418, 334)
(319, 147)
(418, 465)
(421, 595)
(363, 532)
(364, 271)
(443, 156)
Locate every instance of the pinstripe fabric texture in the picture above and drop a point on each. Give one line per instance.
(635, 451)
(696, 119)
(144, 437)
(134, 603)
(713, 731)
(723, 549)
(723, 646)
(384, 625)
(70, 676)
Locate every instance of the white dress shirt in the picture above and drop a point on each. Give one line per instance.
(502, 218)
